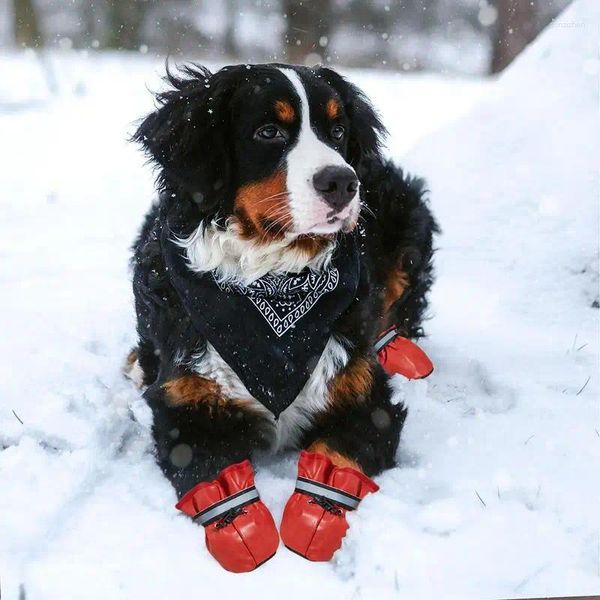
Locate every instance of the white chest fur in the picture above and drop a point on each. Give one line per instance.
(299, 415)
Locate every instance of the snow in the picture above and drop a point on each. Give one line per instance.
(497, 492)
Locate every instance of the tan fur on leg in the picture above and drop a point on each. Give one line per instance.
(339, 460)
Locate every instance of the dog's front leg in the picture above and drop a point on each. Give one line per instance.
(198, 431)
(357, 437)
(203, 443)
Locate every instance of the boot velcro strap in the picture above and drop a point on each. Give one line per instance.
(215, 511)
(315, 488)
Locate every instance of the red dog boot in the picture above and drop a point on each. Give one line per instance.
(314, 519)
(239, 529)
(398, 354)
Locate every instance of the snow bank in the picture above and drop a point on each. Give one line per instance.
(496, 494)
(507, 440)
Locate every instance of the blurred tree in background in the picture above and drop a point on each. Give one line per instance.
(466, 36)
(308, 27)
(517, 26)
(26, 26)
(124, 23)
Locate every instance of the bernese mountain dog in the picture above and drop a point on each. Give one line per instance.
(281, 246)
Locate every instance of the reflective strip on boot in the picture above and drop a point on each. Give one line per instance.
(218, 509)
(385, 339)
(314, 488)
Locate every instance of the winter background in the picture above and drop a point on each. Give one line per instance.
(497, 492)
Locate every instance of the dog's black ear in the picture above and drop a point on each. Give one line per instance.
(187, 136)
(366, 129)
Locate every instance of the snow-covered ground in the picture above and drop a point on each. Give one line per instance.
(498, 489)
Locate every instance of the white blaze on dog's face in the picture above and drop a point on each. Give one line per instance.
(322, 187)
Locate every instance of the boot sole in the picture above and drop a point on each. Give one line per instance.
(260, 564)
(304, 557)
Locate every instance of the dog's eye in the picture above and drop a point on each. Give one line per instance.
(337, 132)
(269, 133)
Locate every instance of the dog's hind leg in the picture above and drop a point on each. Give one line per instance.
(400, 229)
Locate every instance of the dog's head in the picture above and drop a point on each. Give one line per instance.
(275, 148)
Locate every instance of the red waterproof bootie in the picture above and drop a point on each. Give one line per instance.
(314, 519)
(398, 354)
(239, 529)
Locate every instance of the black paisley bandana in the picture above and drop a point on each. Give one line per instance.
(273, 331)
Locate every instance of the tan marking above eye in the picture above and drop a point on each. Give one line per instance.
(332, 108)
(285, 111)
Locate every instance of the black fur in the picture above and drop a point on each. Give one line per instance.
(198, 138)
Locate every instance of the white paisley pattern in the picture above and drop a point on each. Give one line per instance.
(284, 299)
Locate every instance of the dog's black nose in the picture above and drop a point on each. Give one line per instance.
(336, 185)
